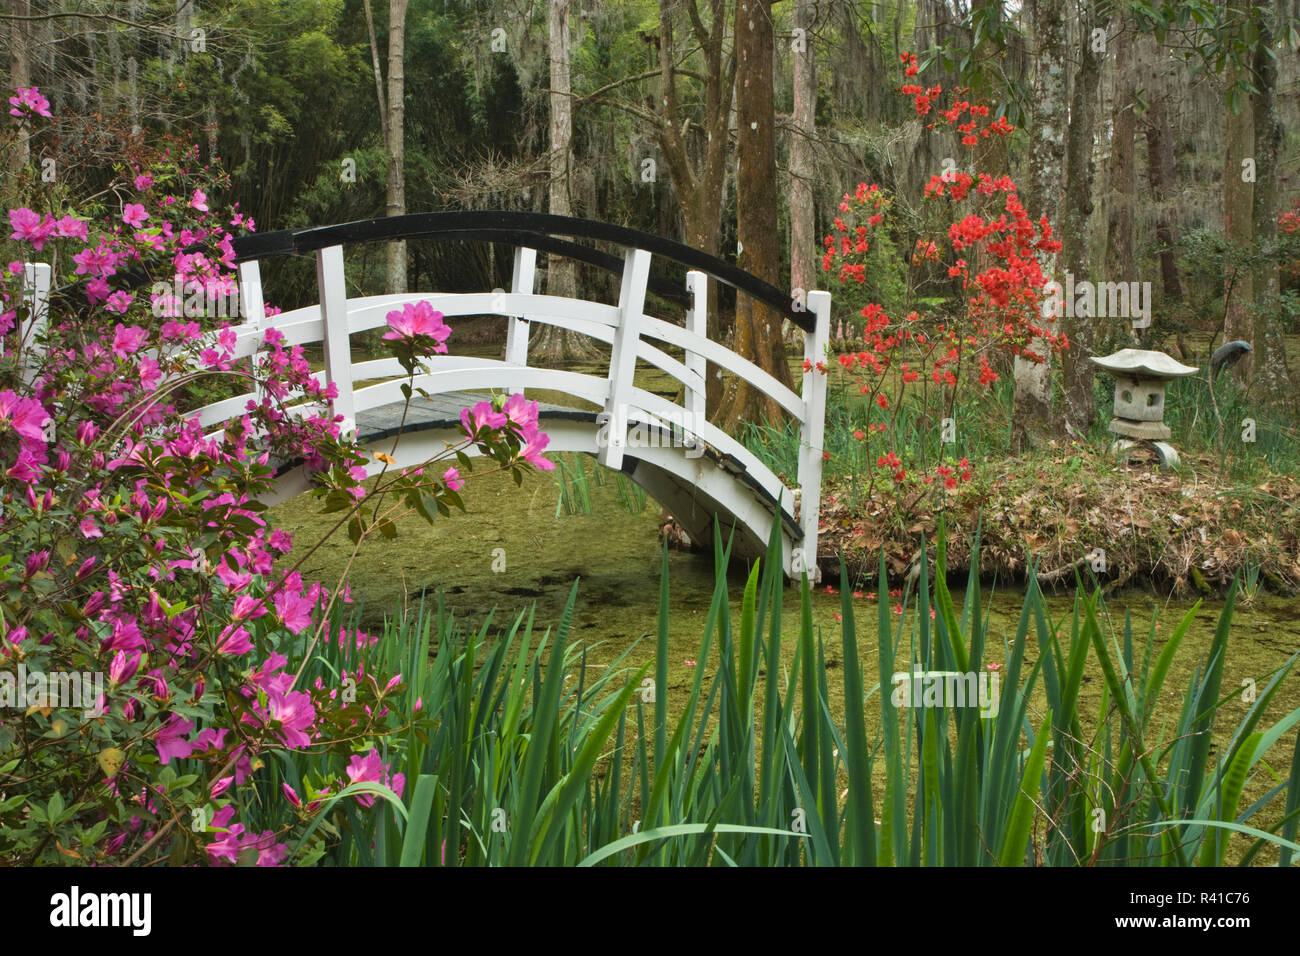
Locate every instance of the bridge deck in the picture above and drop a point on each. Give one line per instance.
(437, 412)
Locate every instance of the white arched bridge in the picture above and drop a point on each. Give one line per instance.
(694, 469)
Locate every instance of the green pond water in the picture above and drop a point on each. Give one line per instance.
(615, 555)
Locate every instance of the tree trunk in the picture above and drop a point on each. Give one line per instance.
(699, 183)
(1238, 220)
(1080, 408)
(133, 94)
(20, 75)
(1031, 416)
(552, 343)
(803, 251)
(1271, 372)
(396, 282)
(1120, 264)
(379, 74)
(1160, 170)
(758, 326)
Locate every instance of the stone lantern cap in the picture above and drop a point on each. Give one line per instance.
(1140, 379)
(1143, 363)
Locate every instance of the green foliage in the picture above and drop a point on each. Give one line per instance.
(520, 754)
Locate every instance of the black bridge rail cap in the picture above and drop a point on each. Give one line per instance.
(529, 230)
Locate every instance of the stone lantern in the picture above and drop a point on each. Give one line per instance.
(1140, 380)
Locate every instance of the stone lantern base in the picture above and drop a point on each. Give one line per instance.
(1164, 451)
(1144, 431)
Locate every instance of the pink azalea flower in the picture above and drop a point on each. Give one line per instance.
(101, 261)
(451, 476)
(97, 290)
(235, 840)
(248, 608)
(295, 713)
(293, 610)
(16, 636)
(29, 226)
(143, 182)
(234, 640)
(210, 738)
(483, 415)
(371, 769)
(532, 451)
(123, 667)
(70, 227)
(418, 319)
(127, 341)
(119, 302)
(29, 98)
(134, 215)
(26, 416)
(24, 468)
(199, 201)
(171, 741)
(232, 579)
(269, 852)
(125, 636)
(521, 412)
(150, 372)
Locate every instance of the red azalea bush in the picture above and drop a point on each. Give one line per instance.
(1288, 233)
(135, 558)
(992, 257)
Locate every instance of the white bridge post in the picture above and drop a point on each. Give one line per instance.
(333, 290)
(36, 295)
(697, 321)
(622, 360)
(812, 435)
(252, 307)
(517, 326)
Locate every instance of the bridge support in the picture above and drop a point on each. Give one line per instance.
(521, 283)
(622, 360)
(813, 439)
(697, 323)
(332, 284)
(36, 296)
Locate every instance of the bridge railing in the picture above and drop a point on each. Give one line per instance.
(633, 337)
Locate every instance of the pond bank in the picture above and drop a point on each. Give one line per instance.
(1184, 533)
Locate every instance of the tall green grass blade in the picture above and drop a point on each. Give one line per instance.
(861, 835)
(413, 842)
(1015, 842)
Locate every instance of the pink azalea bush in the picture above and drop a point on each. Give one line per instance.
(134, 550)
